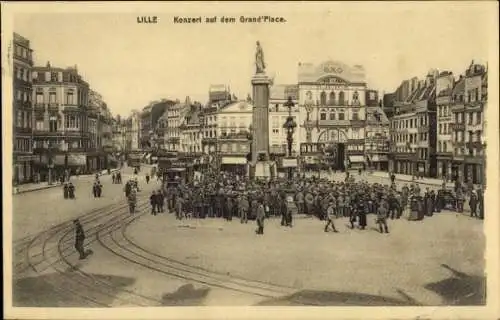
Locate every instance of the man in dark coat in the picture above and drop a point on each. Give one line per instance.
(79, 238)
(153, 202)
(261, 215)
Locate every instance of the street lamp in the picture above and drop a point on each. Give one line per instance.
(290, 126)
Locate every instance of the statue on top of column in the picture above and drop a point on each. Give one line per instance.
(259, 60)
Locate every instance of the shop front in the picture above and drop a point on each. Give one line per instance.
(380, 162)
(22, 169)
(355, 162)
(234, 164)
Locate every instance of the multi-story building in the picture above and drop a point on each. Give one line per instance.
(414, 131)
(119, 134)
(468, 127)
(146, 128)
(22, 111)
(445, 85)
(332, 109)
(278, 114)
(133, 131)
(191, 133)
(377, 135)
(175, 114)
(233, 138)
(61, 135)
(100, 134)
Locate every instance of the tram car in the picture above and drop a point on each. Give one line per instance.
(178, 175)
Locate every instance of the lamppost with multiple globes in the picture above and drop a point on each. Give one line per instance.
(290, 126)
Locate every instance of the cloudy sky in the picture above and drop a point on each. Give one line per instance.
(131, 64)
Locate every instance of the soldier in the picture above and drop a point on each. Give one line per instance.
(229, 208)
(99, 189)
(161, 199)
(291, 210)
(330, 216)
(382, 216)
(79, 238)
(113, 178)
(362, 213)
(243, 208)
(65, 191)
(299, 198)
(197, 203)
(71, 191)
(132, 200)
(261, 215)
(179, 203)
(473, 204)
(153, 201)
(147, 178)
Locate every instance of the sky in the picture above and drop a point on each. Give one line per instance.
(131, 64)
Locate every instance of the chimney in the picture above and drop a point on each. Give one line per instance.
(48, 64)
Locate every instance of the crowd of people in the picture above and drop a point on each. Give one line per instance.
(227, 195)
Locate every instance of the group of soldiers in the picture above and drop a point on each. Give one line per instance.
(116, 177)
(227, 195)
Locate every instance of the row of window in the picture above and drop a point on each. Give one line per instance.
(60, 144)
(55, 76)
(459, 136)
(22, 145)
(71, 123)
(54, 99)
(411, 137)
(332, 99)
(410, 123)
(22, 73)
(22, 52)
(468, 117)
(23, 96)
(339, 116)
(23, 119)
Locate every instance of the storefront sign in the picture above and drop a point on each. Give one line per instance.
(289, 163)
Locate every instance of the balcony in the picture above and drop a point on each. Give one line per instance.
(53, 107)
(457, 126)
(40, 107)
(358, 123)
(356, 141)
(334, 123)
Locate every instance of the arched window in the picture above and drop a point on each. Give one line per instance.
(331, 101)
(341, 98)
(323, 98)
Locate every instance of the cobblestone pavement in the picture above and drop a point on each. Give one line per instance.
(36, 211)
(147, 260)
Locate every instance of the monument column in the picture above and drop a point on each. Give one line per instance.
(260, 85)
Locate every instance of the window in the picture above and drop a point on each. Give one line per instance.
(445, 146)
(355, 115)
(70, 98)
(53, 76)
(331, 100)
(39, 124)
(53, 124)
(71, 122)
(440, 128)
(322, 116)
(19, 120)
(476, 94)
(19, 95)
(47, 76)
(478, 117)
(471, 136)
(323, 98)
(439, 146)
(471, 116)
(52, 97)
(332, 116)
(341, 98)
(25, 96)
(341, 116)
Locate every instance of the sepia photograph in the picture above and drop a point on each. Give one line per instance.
(303, 157)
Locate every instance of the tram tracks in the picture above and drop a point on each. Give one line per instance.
(107, 227)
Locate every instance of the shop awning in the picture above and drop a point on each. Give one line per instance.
(378, 158)
(356, 159)
(234, 160)
(77, 160)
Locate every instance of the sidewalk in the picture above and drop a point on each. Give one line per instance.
(30, 187)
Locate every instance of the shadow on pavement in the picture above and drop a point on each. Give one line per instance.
(186, 295)
(460, 289)
(62, 290)
(335, 298)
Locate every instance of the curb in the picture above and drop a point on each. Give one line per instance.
(54, 185)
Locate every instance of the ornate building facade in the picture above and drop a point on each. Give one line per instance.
(61, 135)
(332, 109)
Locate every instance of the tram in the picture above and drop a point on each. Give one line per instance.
(175, 171)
